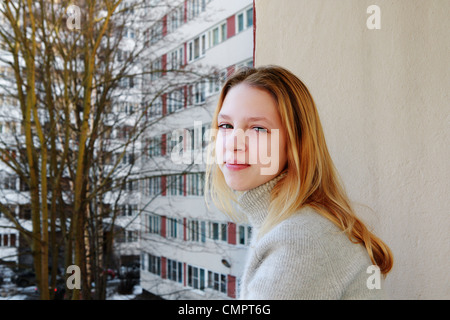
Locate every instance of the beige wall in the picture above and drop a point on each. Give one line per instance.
(383, 98)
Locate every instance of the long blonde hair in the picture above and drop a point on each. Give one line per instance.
(311, 178)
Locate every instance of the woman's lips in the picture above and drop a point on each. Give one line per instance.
(236, 167)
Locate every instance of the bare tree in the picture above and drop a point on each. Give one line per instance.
(73, 151)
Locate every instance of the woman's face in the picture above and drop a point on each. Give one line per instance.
(251, 142)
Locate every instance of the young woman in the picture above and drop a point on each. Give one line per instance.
(273, 169)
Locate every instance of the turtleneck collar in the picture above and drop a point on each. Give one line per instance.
(255, 202)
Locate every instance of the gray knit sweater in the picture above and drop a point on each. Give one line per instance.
(304, 257)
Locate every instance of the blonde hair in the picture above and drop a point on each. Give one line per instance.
(311, 178)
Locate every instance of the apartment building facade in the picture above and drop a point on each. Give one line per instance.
(190, 250)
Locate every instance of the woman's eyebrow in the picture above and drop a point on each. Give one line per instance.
(224, 116)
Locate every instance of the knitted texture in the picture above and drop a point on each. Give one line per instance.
(304, 257)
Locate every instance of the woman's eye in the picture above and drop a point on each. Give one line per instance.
(225, 126)
(260, 129)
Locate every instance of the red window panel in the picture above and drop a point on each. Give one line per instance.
(231, 27)
(231, 286)
(163, 267)
(164, 22)
(231, 233)
(184, 229)
(163, 144)
(12, 239)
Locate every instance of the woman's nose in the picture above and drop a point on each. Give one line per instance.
(236, 140)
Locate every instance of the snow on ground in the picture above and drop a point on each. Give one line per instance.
(136, 291)
(15, 297)
(9, 291)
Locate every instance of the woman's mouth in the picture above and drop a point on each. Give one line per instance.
(236, 167)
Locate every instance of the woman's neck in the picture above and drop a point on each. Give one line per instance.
(254, 203)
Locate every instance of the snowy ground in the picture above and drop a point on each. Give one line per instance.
(9, 291)
(137, 290)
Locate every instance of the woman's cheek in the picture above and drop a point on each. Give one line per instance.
(220, 148)
(253, 149)
(262, 144)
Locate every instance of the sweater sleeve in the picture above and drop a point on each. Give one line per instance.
(293, 264)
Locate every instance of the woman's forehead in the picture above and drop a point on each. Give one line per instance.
(250, 102)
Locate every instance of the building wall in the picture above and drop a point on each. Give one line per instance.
(383, 98)
(182, 246)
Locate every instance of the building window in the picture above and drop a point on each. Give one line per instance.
(240, 22)
(175, 101)
(154, 224)
(224, 232)
(8, 240)
(249, 17)
(176, 141)
(156, 32)
(154, 186)
(197, 93)
(173, 230)
(223, 32)
(131, 236)
(196, 277)
(176, 59)
(203, 44)
(175, 271)
(128, 210)
(128, 157)
(175, 185)
(217, 281)
(156, 69)
(215, 36)
(218, 34)
(190, 56)
(194, 230)
(244, 20)
(197, 47)
(218, 231)
(126, 82)
(175, 19)
(200, 92)
(155, 108)
(244, 235)
(154, 264)
(9, 182)
(195, 184)
(154, 147)
(128, 108)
